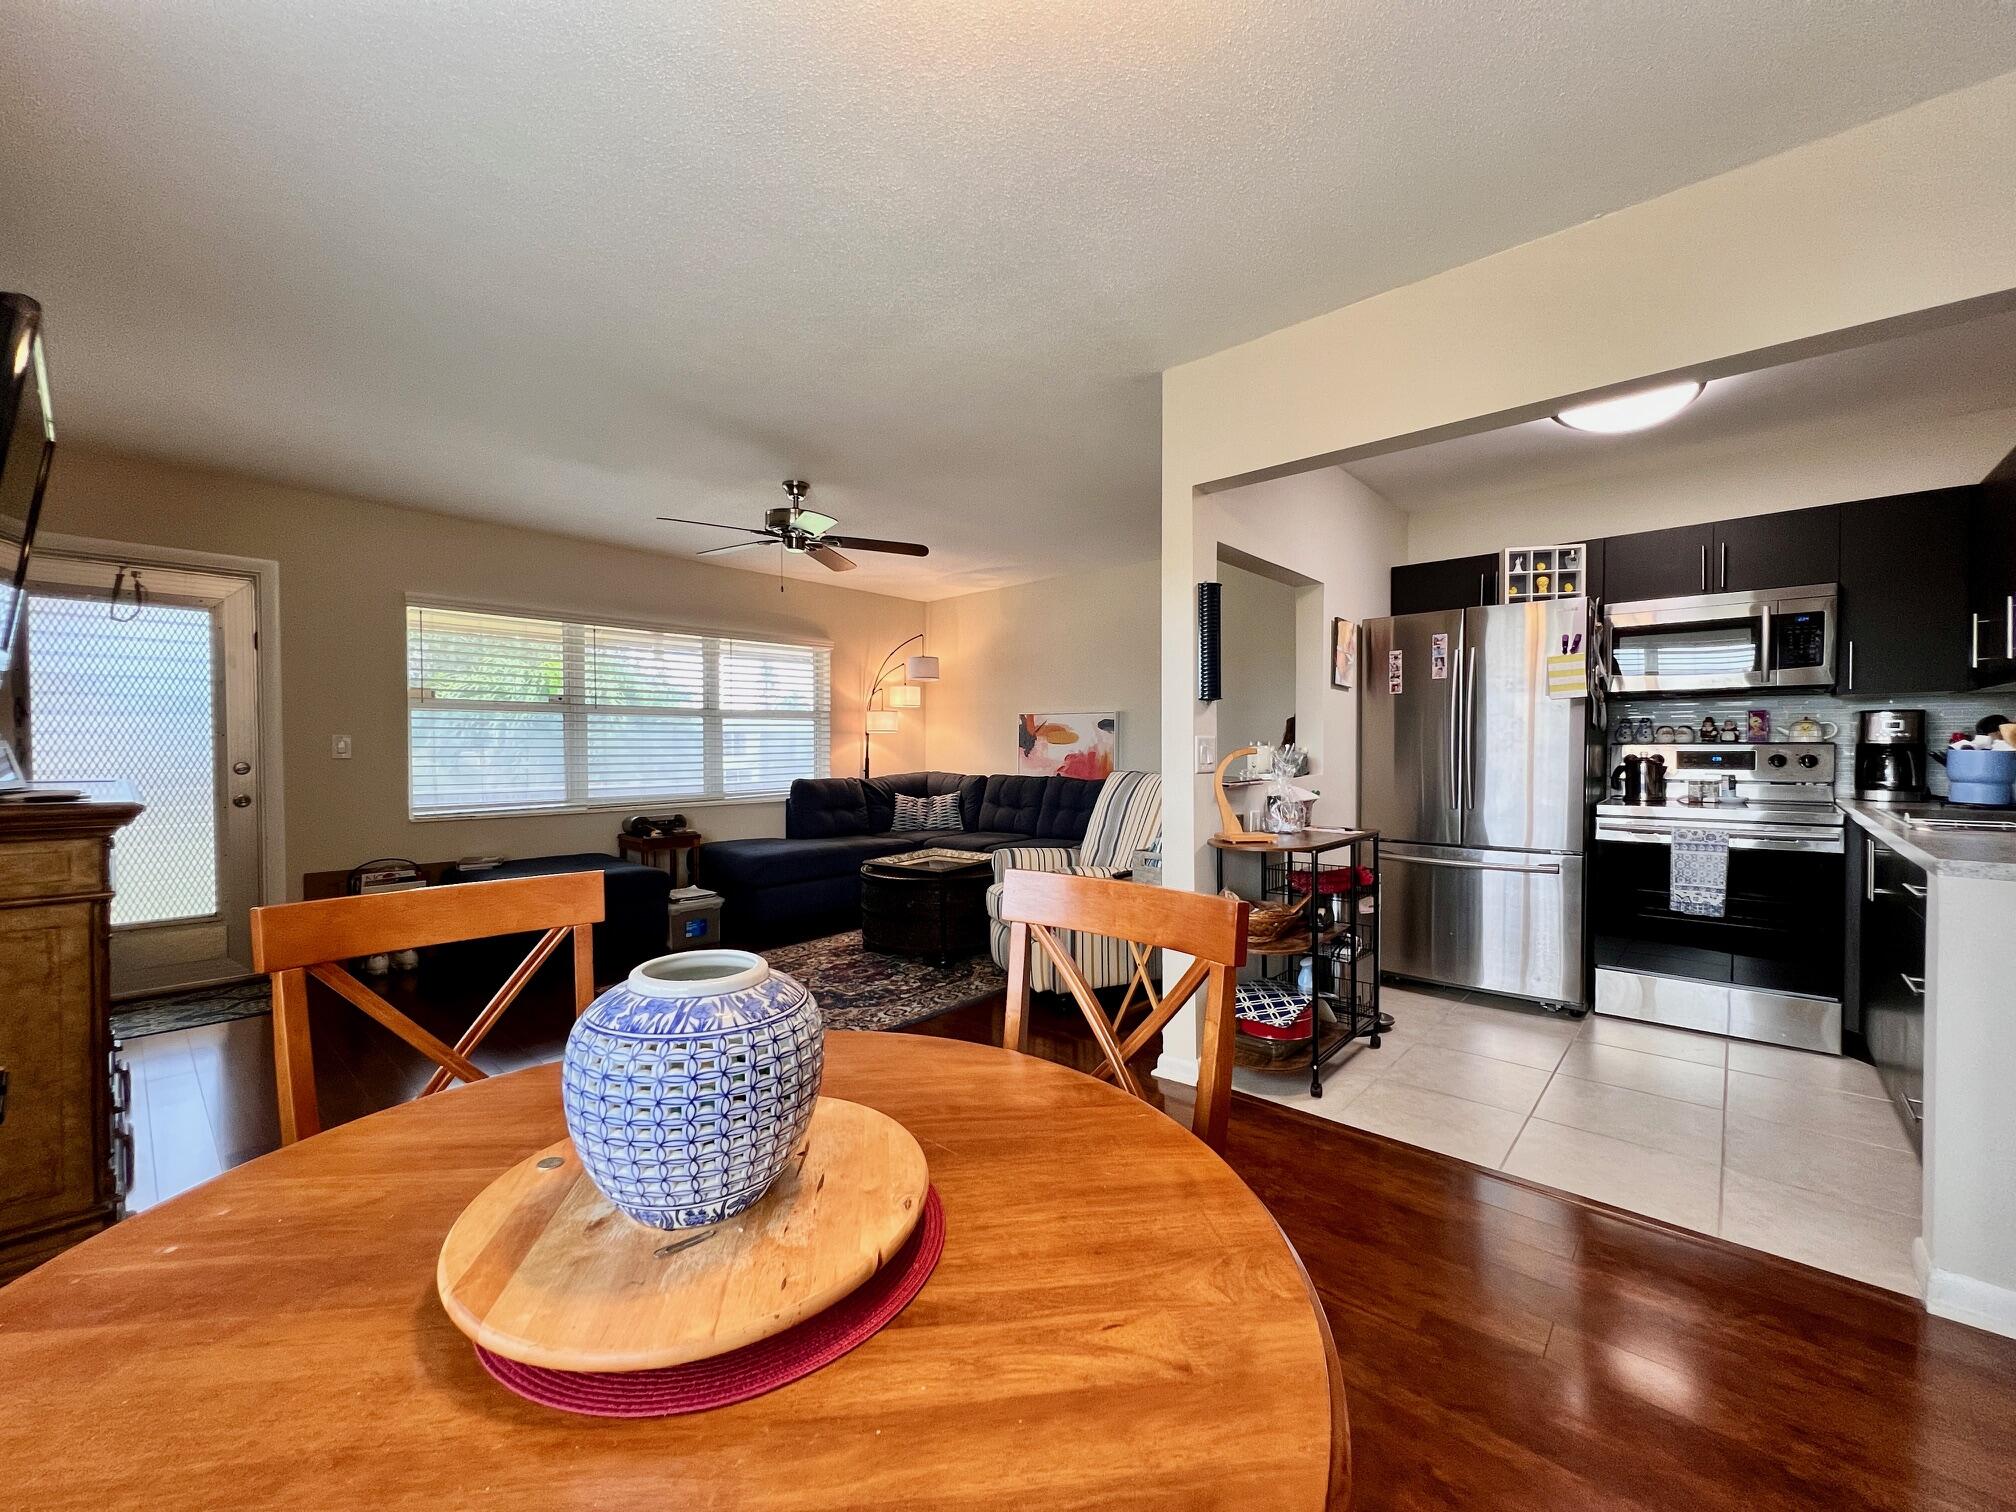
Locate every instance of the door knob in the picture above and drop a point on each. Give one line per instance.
(241, 767)
(241, 801)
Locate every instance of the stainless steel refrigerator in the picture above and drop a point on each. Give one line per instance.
(1476, 782)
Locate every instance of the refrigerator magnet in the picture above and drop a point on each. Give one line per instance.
(1438, 658)
(1394, 666)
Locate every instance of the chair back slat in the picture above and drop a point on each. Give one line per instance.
(296, 942)
(1212, 931)
(287, 935)
(1196, 924)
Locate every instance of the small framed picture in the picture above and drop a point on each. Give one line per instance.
(1343, 651)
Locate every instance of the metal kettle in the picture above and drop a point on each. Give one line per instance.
(1655, 779)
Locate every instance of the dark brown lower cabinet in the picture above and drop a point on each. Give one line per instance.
(1893, 978)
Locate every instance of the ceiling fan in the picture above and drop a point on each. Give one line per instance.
(805, 531)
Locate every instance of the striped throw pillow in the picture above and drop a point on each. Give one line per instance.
(940, 813)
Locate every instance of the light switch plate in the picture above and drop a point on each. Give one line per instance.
(339, 747)
(1207, 753)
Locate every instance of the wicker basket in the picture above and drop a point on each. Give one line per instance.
(1269, 922)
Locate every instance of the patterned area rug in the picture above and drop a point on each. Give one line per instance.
(190, 1010)
(860, 989)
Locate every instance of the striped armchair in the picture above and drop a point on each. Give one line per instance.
(1127, 817)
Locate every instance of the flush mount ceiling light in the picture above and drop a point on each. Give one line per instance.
(1632, 412)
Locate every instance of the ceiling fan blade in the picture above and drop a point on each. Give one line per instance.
(826, 556)
(731, 546)
(680, 520)
(812, 522)
(868, 543)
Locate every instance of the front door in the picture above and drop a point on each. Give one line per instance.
(148, 674)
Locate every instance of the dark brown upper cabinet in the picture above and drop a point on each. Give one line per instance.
(1904, 598)
(1657, 564)
(1456, 583)
(1991, 589)
(1786, 550)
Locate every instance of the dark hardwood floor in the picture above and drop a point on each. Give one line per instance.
(1504, 1347)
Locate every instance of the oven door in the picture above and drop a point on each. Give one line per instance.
(1781, 928)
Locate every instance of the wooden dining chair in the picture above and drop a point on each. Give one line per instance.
(293, 942)
(1211, 930)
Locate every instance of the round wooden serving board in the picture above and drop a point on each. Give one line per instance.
(542, 1270)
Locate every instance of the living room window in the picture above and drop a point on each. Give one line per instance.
(510, 713)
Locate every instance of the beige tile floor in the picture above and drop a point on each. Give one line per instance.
(1781, 1150)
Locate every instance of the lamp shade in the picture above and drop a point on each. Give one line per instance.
(884, 722)
(903, 696)
(921, 668)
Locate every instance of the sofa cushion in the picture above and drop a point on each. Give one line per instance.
(936, 785)
(820, 808)
(1066, 807)
(973, 840)
(745, 865)
(1010, 804)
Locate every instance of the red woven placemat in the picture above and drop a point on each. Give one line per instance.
(753, 1369)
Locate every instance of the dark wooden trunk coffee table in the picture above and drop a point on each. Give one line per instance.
(930, 903)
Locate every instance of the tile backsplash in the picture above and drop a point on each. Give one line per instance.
(1944, 713)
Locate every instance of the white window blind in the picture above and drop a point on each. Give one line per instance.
(508, 712)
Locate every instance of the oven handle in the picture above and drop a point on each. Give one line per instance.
(1830, 845)
(1546, 869)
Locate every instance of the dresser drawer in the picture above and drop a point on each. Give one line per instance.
(53, 869)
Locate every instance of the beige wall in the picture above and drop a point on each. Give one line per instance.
(1789, 469)
(1084, 643)
(346, 566)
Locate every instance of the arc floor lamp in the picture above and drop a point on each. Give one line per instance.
(905, 695)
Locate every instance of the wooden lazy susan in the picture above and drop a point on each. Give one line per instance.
(542, 1270)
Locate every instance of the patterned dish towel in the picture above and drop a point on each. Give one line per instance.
(1700, 884)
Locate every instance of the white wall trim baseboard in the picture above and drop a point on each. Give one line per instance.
(1176, 1068)
(1966, 1300)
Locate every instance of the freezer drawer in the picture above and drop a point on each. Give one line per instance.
(1496, 921)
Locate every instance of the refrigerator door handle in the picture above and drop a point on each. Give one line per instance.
(1469, 728)
(1455, 726)
(1548, 869)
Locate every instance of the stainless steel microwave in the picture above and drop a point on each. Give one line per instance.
(1722, 642)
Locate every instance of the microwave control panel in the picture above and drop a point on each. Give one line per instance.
(1799, 640)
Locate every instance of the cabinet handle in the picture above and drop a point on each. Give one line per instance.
(1916, 984)
(1480, 591)
(1917, 1107)
(1851, 666)
(1724, 568)
(1974, 639)
(1869, 871)
(3, 1095)
(1704, 567)
(1913, 889)
(2009, 629)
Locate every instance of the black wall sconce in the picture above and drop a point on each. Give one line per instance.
(1209, 684)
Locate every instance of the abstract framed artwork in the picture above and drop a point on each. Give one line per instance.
(1066, 745)
(1343, 651)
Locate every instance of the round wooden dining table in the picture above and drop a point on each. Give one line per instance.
(1116, 1322)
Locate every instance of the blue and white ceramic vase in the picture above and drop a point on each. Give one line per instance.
(688, 1086)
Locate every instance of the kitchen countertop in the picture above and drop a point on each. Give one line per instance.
(1943, 853)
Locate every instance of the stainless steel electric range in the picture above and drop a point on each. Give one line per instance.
(1770, 967)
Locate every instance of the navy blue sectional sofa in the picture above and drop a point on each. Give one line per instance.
(809, 882)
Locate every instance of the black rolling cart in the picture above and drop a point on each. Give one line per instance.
(1338, 940)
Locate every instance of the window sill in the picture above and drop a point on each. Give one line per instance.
(568, 810)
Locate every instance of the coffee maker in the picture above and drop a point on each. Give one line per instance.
(1890, 756)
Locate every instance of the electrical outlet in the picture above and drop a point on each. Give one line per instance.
(1207, 753)
(339, 747)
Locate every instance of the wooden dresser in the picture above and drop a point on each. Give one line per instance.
(65, 1148)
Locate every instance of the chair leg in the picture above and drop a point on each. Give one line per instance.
(1015, 1024)
(294, 1058)
(1214, 1068)
(584, 969)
